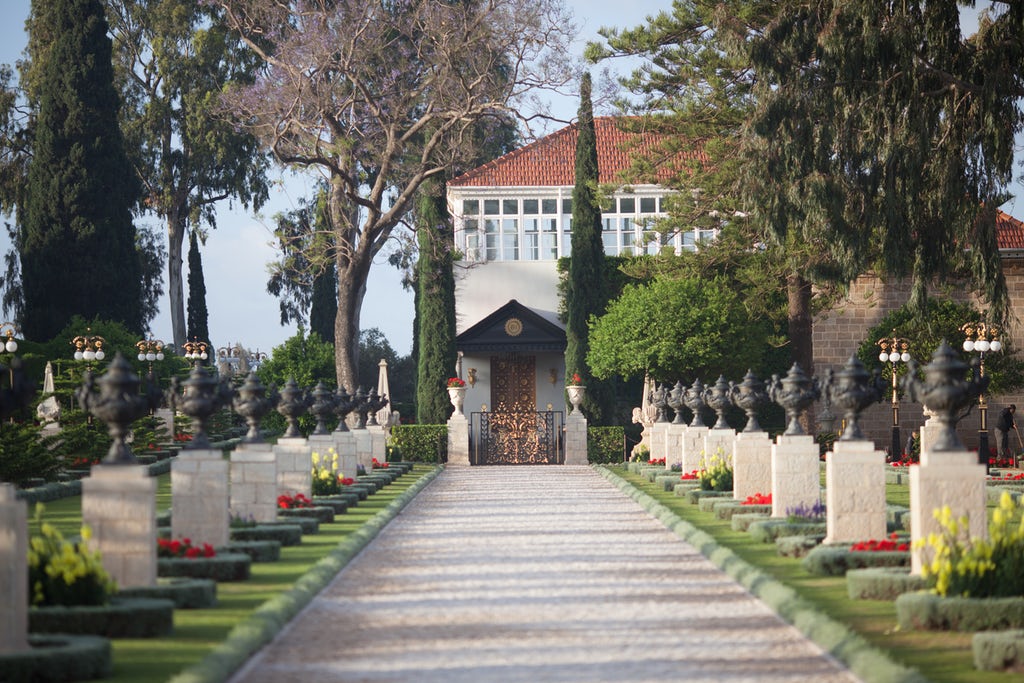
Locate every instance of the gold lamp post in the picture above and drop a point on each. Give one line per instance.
(982, 338)
(89, 347)
(150, 350)
(7, 332)
(196, 351)
(894, 350)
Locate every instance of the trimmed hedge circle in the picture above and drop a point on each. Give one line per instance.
(882, 583)
(185, 593)
(285, 534)
(999, 651)
(928, 611)
(321, 513)
(259, 551)
(220, 567)
(768, 530)
(58, 657)
(835, 560)
(122, 618)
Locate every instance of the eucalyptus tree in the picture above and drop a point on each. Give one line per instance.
(378, 97)
(173, 58)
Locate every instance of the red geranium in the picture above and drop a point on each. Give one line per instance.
(286, 502)
(758, 499)
(689, 475)
(890, 544)
(166, 547)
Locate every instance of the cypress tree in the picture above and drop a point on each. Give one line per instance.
(77, 242)
(585, 293)
(198, 318)
(323, 307)
(436, 300)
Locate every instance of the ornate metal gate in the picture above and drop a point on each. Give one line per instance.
(518, 436)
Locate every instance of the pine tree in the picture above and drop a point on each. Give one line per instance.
(198, 318)
(77, 242)
(585, 293)
(436, 300)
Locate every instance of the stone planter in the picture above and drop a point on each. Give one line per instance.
(457, 395)
(576, 392)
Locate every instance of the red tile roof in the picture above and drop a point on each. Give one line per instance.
(1009, 231)
(551, 160)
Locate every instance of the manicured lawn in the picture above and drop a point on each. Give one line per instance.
(197, 632)
(942, 657)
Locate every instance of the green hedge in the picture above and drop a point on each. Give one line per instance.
(605, 445)
(419, 443)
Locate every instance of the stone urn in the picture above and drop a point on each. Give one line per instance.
(795, 393)
(694, 400)
(851, 390)
(750, 396)
(718, 397)
(676, 402)
(117, 404)
(945, 392)
(576, 393)
(457, 395)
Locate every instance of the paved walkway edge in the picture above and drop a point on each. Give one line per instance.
(852, 649)
(270, 617)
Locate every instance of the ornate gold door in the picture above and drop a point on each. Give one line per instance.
(513, 382)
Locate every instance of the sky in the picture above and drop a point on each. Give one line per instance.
(237, 253)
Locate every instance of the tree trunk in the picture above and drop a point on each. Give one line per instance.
(798, 294)
(175, 290)
(352, 261)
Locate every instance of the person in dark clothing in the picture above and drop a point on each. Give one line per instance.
(1004, 424)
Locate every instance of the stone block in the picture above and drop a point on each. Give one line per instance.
(693, 447)
(294, 466)
(576, 439)
(796, 478)
(458, 440)
(855, 493)
(674, 445)
(253, 490)
(659, 433)
(199, 497)
(752, 465)
(13, 571)
(719, 442)
(119, 505)
(952, 478)
(364, 447)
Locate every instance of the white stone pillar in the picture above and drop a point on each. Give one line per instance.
(953, 478)
(119, 506)
(693, 448)
(199, 497)
(294, 466)
(364, 448)
(166, 418)
(13, 571)
(674, 445)
(659, 435)
(796, 474)
(254, 482)
(720, 442)
(752, 465)
(855, 492)
(345, 447)
(576, 439)
(378, 443)
(458, 440)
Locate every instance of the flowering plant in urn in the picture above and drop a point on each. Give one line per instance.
(575, 380)
(456, 383)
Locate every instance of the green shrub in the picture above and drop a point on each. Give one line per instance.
(419, 443)
(23, 457)
(715, 474)
(605, 444)
(65, 573)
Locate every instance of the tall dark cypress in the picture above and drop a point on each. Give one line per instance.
(585, 294)
(77, 242)
(323, 307)
(436, 299)
(198, 317)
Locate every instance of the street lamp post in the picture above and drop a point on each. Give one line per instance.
(195, 351)
(150, 350)
(895, 350)
(982, 337)
(89, 347)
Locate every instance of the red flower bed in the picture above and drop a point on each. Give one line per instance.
(890, 544)
(166, 547)
(286, 502)
(690, 476)
(656, 461)
(1009, 477)
(379, 465)
(758, 499)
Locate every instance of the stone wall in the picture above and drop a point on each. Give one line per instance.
(839, 331)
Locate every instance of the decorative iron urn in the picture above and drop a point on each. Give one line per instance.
(293, 404)
(794, 392)
(719, 399)
(659, 399)
(360, 408)
(851, 390)
(252, 403)
(694, 400)
(750, 395)
(118, 403)
(945, 392)
(373, 404)
(203, 396)
(675, 402)
(343, 405)
(322, 407)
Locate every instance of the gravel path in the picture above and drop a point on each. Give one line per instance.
(539, 575)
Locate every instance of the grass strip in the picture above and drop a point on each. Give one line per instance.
(863, 634)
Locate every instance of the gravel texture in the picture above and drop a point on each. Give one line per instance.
(539, 575)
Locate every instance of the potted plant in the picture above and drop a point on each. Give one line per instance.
(576, 390)
(457, 393)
